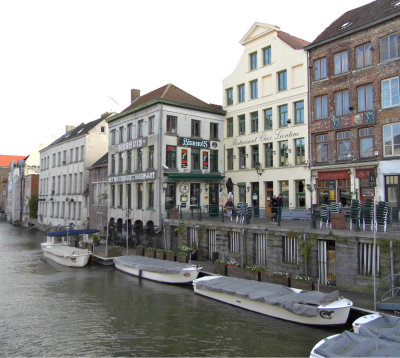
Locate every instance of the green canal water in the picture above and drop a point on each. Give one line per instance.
(50, 310)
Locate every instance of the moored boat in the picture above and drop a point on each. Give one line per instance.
(157, 270)
(57, 248)
(306, 307)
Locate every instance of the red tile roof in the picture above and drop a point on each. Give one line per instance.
(292, 41)
(5, 160)
(357, 19)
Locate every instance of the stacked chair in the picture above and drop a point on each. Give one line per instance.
(324, 215)
(241, 211)
(355, 213)
(368, 214)
(335, 208)
(382, 214)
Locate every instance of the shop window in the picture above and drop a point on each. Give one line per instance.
(300, 194)
(284, 190)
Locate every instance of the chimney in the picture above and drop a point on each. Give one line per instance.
(68, 128)
(135, 94)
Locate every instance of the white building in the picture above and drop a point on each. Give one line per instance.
(266, 135)
(165, 151)
(63, 183)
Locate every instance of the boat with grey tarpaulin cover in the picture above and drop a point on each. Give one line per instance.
(306, 307)
(157, 270)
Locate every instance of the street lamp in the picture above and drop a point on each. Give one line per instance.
(258, 168)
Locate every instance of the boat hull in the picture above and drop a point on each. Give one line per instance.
(335, 313)
(71, 258)
(186, 275)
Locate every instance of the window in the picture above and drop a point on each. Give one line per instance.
(214, 131)
(229, 127)
(321, 107)
(242, 157)
(388, 47)
(171, 157)
(129, 161)
(241, 93)
(283, 154)
(129, 195)
(267, 55)
(363, 55)
(320, 69)
(267, 118)
(299, 112)
(269, 155)
(341, 62)
(366, 259)
(242, 124)
(120, 163)
(282, 80)
(283, 115)
(151, 157)
(150, 195)
(322, 148)
(129, 132)
(214, 160)
(300, 194)
(121, 196)
(121, 134)
(300, 151)
(229, 96)
(76, 155)
(229, 154)
(253, 61)
(113, 164)
(113, 137)
(172, 124)
(195, 128)
(254, 89)
(391, 139)
(390, 92)
(113, 196)
(152, 124)
(195, 153)
(139, 161)
(366, 142)
(141, 128)
(342, 103)
(343, 145)
(365, 96)
(234, 241)
(139, 195)
(284, 190)
(290, 250)
(255, 157)
(254, 122)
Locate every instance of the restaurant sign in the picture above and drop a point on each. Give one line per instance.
(132, 177)
(193, 143)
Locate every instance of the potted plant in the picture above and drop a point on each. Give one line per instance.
(150, 252)
(170, 255)
(96, 239)
(160, 254)
(114, 251)
(302, 282)
(279, 277)
(253, 272)
(140, 250)
(219, 267)
(183, 253)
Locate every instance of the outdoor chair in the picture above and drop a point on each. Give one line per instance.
(335, 207)
(324, 215)
(382, 214)
(241, 212)
(368, 214)
(355, 213)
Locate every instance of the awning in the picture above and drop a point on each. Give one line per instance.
(334, 174)
(192, 176)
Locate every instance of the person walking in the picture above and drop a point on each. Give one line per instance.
(279, 205)
(274, 208)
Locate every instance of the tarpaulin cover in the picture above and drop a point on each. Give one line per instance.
(151, 265)
(63, 233)
(385, 327)
(304, 303)
(348, 344)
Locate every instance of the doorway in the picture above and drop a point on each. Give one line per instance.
(269, 192)
(327, 262)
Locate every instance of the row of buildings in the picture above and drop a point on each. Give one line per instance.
(316, 122)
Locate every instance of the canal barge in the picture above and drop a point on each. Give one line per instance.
(306, 307)
(58, 248)
(157, 270)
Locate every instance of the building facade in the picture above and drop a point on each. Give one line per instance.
(266, 126)
(64, 176)
(165, 153)
(354, 111)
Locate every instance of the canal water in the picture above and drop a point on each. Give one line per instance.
(51, 310)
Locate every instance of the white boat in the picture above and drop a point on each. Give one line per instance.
(57, 248)
(306, 307)
(157, 270)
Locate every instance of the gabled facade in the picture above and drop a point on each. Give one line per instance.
(64, 176)
(355, 106)
(165, 151)
(266, 127)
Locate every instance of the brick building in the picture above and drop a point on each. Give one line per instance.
(354, 106)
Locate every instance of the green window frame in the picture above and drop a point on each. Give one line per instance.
(268, 119)
(254, 121)
(241, 93)
(229, 127)
(242, 124)
(254, 89)
(171, 157)
(229, 155)
(229, 96)
(195, 154)
(283, 115)
(282, 80)
(269, 155)
(299, 112)
(283, 154)
(300, 151)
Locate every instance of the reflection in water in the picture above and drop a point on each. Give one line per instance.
(50, 310)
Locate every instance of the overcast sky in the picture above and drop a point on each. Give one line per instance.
(67, 62)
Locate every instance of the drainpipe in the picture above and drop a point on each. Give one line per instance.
(309, 112)
(391, 269)
(160, 175)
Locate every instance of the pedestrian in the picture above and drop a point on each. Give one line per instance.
(274, 208)
(279, 205)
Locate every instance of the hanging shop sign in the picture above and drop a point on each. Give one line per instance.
(133, 177)
(205, 160)
(184, 158)
(193, 143)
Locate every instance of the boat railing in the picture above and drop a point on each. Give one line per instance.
(388, 293)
